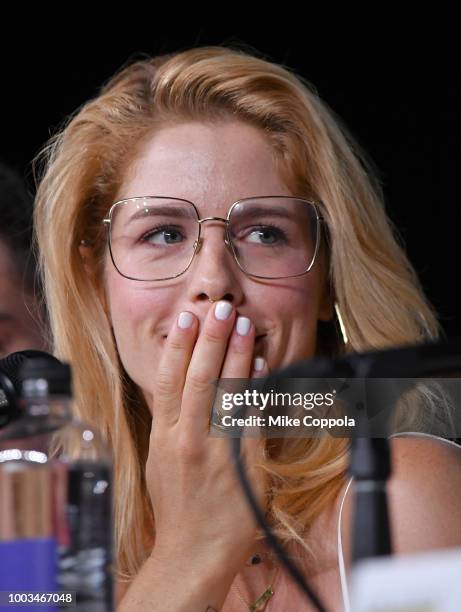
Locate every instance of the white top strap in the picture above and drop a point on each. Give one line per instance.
(342, 569)
(424, 435)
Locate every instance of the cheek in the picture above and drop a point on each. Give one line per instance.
(294, 313)
(301, 317)
(295, 302)
(135, 314)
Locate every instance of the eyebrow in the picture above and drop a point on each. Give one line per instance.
(253, 211)
(278, 211)
(151, 211)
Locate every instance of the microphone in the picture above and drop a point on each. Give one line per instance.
(382, 377)
(11, 382)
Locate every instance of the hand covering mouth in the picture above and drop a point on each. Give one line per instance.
(258, 337)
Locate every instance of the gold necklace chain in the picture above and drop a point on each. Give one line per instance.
(262, 600)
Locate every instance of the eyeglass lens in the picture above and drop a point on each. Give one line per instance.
(154, 238)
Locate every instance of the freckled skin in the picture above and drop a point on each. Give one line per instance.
(212, 166)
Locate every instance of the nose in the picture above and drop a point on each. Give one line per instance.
(214, 273)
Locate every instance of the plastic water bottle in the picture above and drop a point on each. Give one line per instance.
(55, 499)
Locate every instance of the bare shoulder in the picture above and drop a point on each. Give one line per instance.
(424, 496)
(428, 468)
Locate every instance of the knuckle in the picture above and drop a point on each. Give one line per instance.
(176, 343)
(165, 384)
(199, 383)
(238, 348)
(188, 449)
(213, 336)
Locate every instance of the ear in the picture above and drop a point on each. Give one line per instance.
(85, 254)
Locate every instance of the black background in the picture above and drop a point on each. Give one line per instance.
(399, 94)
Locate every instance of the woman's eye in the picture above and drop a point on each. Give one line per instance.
(266, 235)
(163, 236)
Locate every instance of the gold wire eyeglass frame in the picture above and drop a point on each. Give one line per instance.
(227, 240)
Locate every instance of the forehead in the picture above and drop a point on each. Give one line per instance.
(213, 165)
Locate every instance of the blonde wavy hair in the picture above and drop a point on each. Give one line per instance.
(82, 168)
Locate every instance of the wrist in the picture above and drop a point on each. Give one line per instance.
(180, 584)
(176, 586)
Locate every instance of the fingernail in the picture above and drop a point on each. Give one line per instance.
(259, 364)
(243, 325)
(222, 310)
(185, 320)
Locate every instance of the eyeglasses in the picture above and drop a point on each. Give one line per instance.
(154, 238)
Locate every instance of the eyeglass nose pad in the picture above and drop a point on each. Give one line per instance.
(197, 245)
(227, 241)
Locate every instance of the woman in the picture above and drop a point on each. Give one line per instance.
(149, 312)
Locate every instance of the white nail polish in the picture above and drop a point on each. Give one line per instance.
(185, 320)
(222, 310)
(259, 364)
(243, 326)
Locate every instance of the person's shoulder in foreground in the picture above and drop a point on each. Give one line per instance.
(424, 496)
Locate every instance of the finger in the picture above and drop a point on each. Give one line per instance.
(237, 384)
(172, 370)
(255, 433)
(204, 369)
(238, 359)
(236, 369)
(255, 439)
(260, 368)
(239, 356)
